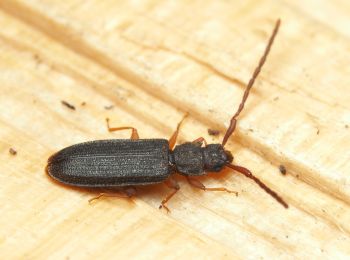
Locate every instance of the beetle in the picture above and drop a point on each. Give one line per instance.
(125, 163)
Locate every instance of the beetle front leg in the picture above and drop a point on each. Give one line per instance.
(197, 184)
(134, 134)
(172, 184)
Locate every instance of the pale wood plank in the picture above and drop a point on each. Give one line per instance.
(165, 63)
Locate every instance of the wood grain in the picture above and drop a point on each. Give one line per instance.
(153, 61)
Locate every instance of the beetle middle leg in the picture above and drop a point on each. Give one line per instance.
(126, 192)
(200, 140)
(134, 134)
(197, 184)
(172, 140)
(172, 184)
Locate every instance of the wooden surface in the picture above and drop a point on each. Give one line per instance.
(154, 61)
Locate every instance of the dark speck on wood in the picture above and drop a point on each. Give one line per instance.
(12, 151)
(109, 107)
(70, 106)
(213, 132)
(282, 169)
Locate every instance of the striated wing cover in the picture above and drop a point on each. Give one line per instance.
(108, 163)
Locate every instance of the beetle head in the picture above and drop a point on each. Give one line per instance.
(216, 157)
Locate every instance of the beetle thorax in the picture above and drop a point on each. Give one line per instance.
(191, 159)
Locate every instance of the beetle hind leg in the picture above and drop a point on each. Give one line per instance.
(127, 192)
(134, 133)
(197, 184)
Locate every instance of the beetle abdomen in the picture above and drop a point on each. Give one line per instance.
(108, 163)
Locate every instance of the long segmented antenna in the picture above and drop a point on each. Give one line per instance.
(233, 121)
(248, 174)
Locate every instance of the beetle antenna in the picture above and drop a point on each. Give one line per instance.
(233, 121)
(248, 174)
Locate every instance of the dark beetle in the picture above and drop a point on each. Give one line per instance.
(113, 163)
(128, 163)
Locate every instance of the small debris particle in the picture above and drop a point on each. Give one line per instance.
(213, 132)
(12, 151)
(251, 130)
(276, 98)
(318, 131)
(282, 169)
(109, 107)
(37, 58)
(346, 126)
(83, 103)
(70, 106)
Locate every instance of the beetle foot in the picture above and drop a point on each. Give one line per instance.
(165, 207)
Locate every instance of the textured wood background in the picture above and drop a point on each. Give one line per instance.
(154, 61)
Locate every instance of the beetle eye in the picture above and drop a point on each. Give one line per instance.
(229, 156)
(217, 168)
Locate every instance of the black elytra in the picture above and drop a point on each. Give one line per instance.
(112, 163)
(124, 162)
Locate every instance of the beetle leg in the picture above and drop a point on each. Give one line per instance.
(200, 140)
(172, 184)
(127, 192)
(134, 134)
(196, 183)
(172, 140)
